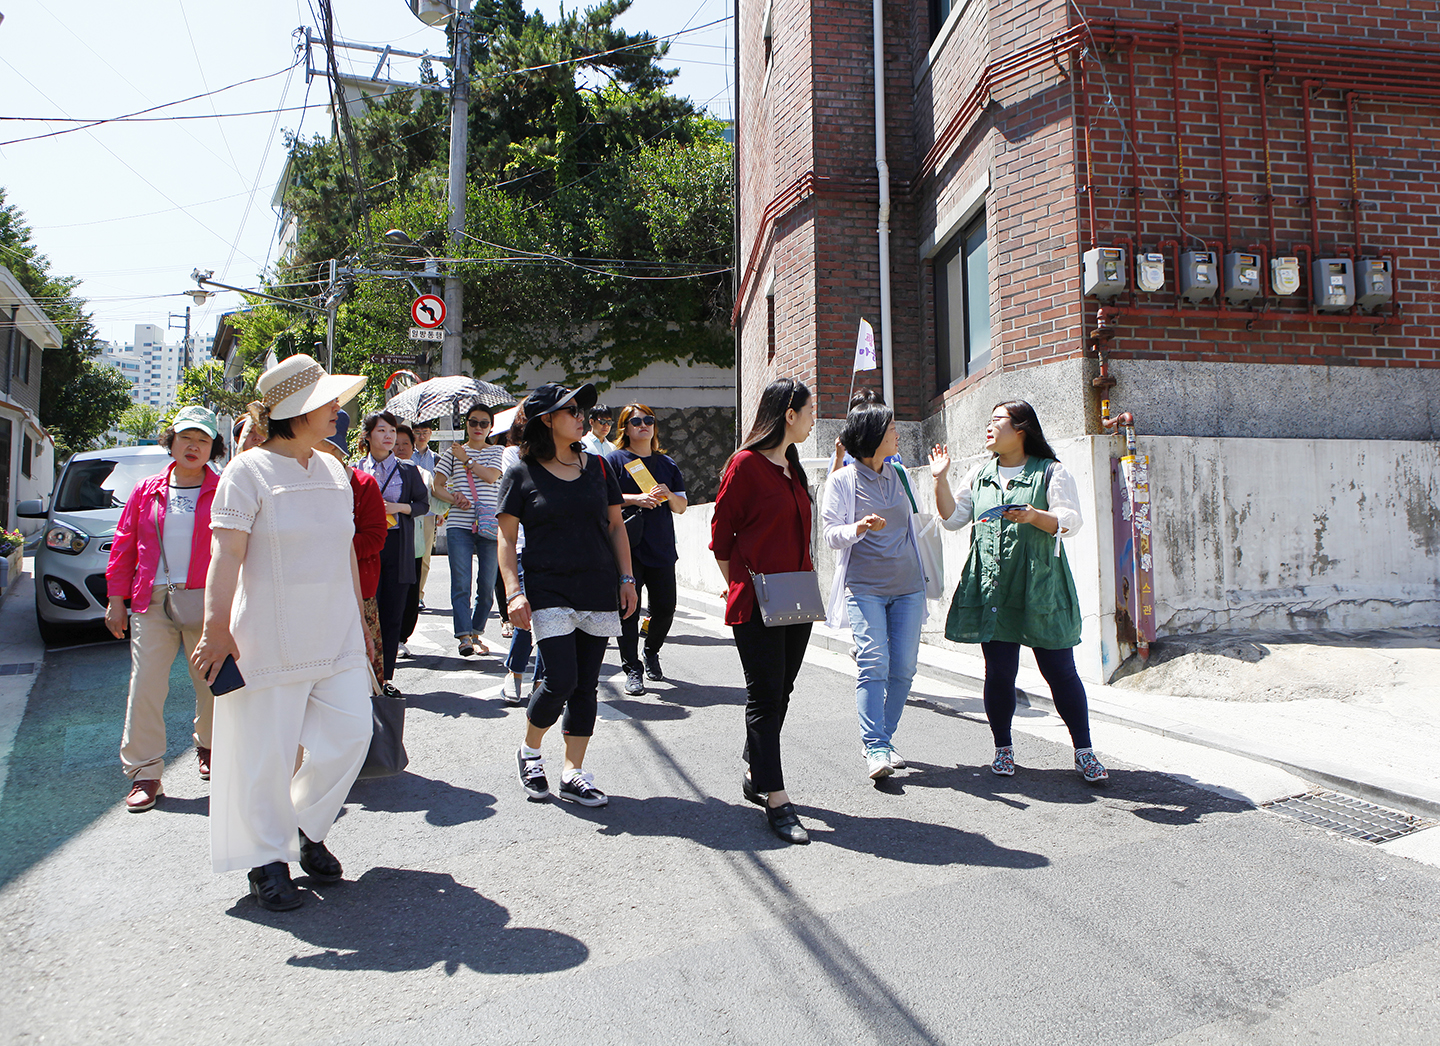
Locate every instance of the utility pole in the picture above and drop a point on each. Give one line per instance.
(450, 350)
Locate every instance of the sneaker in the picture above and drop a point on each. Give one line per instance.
(896, 763)
(402, 651)
(634, 681)
(652, 667)
(1004, 761)
(422, 604)
(580, 788)
(143, 794)
(513, 690)
(390, 690)
(202, 757)
(532, 775)
(466, 647)
(877, 764)
(1087, 764)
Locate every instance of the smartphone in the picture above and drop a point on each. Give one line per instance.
(228, 678)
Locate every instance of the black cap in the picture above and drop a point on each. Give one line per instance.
(341, 438)
(550, 397)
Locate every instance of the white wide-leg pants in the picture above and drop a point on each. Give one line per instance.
(256, 805)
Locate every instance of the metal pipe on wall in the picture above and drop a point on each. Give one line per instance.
(1136, 192)
(1354, 167)
(882, 171)
(1264, 83)
(1179, 137)
(1224, 159)
(1312, 199)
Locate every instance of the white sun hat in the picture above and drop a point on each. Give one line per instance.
(298, 385)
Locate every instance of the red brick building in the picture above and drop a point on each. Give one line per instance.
(1294, 475)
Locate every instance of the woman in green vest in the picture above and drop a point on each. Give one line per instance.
(1016, 587)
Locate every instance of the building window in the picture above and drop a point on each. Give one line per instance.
(939, 11)
(770, 326)
(27, 451)
(21, 362)
(962, 304)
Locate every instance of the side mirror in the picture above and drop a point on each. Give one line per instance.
(32, 509)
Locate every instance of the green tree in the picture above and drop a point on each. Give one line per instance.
(598, 214)
(205, 386)
(78, 401)
(141, 421)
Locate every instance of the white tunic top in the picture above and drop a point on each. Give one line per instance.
(295, 617)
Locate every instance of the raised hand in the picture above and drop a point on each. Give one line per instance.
(939, 460)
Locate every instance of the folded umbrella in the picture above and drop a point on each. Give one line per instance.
(440, 397)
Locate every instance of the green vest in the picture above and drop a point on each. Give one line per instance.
(1014, 589)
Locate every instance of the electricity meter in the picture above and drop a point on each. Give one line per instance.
(1332, 282)
(1372, 284)
(1199, 279)
(1105, 271)
(1242, 277)
(1285, 275)
(1150, 272)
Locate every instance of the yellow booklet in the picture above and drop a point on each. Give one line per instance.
(641, 475)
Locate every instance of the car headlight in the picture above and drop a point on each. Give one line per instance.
(66, 539)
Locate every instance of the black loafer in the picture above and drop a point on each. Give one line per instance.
(748, 787)
(317, 862)
(785, 822)
(272, 889)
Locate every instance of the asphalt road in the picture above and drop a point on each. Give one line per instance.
(947, 906)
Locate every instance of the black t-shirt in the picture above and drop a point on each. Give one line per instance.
(657, 544)
(568, 558)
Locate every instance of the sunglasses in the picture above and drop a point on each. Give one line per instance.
(641, 420)
(574, 410)
(478, 423)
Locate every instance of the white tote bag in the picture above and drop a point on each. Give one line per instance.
(927, 538)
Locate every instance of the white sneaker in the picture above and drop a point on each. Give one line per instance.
(877, 764)
(896, 763)
(403, 651)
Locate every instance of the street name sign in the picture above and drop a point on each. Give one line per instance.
(425, 334)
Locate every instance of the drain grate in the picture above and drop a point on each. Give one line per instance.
(1349, 816)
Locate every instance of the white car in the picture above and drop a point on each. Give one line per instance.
(79, 529)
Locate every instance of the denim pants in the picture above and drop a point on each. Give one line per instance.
(468, 549)
(887, 642)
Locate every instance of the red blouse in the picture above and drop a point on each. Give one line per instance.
(370, 530)
(761, 522)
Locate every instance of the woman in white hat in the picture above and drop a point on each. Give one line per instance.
(283, 599)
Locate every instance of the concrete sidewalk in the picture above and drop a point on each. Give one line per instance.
(1373, 751)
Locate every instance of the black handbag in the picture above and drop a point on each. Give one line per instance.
(634, 524)
(387, 755)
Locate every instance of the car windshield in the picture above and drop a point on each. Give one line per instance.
(102, 483)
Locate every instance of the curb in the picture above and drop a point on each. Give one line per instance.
(1421, 798)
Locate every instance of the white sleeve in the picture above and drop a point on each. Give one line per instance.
(1064, 498)
(837, 509)
(237, 499)
(964, 501)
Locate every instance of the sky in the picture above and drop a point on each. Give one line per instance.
(131, 208)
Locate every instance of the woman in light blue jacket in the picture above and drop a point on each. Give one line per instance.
(879, 585)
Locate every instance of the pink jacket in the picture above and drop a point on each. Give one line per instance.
(135, 553)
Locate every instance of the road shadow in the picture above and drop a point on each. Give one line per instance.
(442, 803)
(648, 708)
(451, 705)
(719, 825)
(398, 919)
(691, 639)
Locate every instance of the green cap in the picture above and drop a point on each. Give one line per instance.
(197, 418)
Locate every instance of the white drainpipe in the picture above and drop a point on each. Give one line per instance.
(882, 169)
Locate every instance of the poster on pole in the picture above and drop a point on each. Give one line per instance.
(865, 348)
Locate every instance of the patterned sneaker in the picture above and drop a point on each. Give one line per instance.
(877, 764)
(1004, 762)
(532, 775)
(580, 788)
(896, 763)
(634, 682)
(1087, 764)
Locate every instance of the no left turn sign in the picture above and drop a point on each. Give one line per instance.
(428, 311)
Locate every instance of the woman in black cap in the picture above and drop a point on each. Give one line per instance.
(577, 578)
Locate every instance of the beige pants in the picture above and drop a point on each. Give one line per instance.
(257, 798)
(428, 521)
(154, 642)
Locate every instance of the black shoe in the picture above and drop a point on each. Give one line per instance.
(581, 789)
(748, 787)
(318, 862)
(785, 822)
(390, 690)
(532, 775)
(652, 667)
(272, 889)
(634, 682)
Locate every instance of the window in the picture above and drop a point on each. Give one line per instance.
(962, 304)
(770, 325)
(27, 451)
(939, 11)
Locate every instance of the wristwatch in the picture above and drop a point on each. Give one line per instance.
(626, 579)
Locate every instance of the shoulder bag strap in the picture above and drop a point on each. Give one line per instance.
(159, 536)
(905, 482)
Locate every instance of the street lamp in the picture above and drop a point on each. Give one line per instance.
(436, 12)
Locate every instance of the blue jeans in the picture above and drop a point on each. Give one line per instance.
(887, 641)
(463, 546)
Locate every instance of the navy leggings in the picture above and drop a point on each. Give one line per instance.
(1002, 661)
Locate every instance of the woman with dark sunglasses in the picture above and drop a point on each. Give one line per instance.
(577, 578)
(652, 540)
(467, 476)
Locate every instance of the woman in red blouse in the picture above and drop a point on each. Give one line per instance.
(761, 523)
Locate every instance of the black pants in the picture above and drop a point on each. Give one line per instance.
(771, 659)
(390, 599)
(1002, 661)
(659, 586)
(572, 675)
(412, 606)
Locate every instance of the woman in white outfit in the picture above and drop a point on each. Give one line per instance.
(283, 599)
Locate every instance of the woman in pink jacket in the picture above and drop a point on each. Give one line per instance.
(162, 542)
